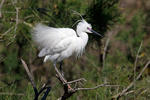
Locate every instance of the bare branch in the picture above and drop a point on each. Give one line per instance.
(132, 91)
(1, 4)
(29, 74)
(2, 35)
(81, 79)
(105, 48)
(61, 78)
(16, 94)
(44, 87)
(143, 70)
(131, 84)
(135, 64)
(68, 91)
(28, 24)
(17, 20)
(102, 85)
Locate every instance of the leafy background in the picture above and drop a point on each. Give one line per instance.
(125, 23)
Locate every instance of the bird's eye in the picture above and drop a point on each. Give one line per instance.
(88, 28)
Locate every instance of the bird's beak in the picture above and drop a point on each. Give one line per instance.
(95, 32)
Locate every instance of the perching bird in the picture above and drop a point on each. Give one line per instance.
(56, 44)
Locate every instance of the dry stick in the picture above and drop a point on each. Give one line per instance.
(2, 2)
(105, 48)
(131, 84)
(16, 94)
(69, 92)
(60, 76)
(34, 85)
(102, 85)
(81, 79)
(17, 20)
(1, 36)
(129, 92)
(28, 24)
(30, 76)
(135, 63)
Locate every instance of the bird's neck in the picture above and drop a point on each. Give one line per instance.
(82, 42)
(83, 36)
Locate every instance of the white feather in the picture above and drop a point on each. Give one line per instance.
(59, 43)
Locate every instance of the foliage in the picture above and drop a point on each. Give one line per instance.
(16, 43)
(137, 31)
(103, 14)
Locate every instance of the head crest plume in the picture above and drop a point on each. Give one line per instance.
(77, 13)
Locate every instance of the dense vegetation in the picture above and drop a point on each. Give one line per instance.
(113, 59)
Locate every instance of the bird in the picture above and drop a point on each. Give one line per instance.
(57, 44)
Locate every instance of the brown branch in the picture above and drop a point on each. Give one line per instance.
(98, 86)
(132, 91)
(29, 74)
(132, 83)
(28, 24)
(68, 91)
(135, 64)
(143, 70)
(17, 94)
(74, 81)
(2, 35)
(105, 48)
(17, 18)
(44, 87)
(2, 2)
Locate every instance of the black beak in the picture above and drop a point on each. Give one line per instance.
(96, 33)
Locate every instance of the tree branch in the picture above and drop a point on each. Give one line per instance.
(2, 2)
(106, 47)
(135, 64)
(131, 84)
(28, 72)
(44, 87)
(98, 86)
(68, 92)
(16, 94)
(74, 81)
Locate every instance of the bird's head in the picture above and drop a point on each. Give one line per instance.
(86, 27)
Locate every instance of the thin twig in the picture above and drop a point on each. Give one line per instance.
(10, 12)
(28, 24)
(102, 85)
(132, 91)
(2, 35)
(2, 2)
(28, 72)
(105, 48)
(60, 76)
(132, 83)
(68, 92)
(74, 81)
(17, 20)
(44, 87)
(17, 94)
(135, 64)
(143, 70)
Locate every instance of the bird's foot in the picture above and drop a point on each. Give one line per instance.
(69, 87)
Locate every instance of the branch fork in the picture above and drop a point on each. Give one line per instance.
(68, 90)
(43, 88)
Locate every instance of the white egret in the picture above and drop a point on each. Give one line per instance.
(56, 44)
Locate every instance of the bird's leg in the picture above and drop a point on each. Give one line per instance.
(59, 74)
(61, 77)
(60, 68)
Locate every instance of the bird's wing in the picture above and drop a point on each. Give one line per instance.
(48, 38)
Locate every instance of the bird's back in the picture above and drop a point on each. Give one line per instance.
(47, 38)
